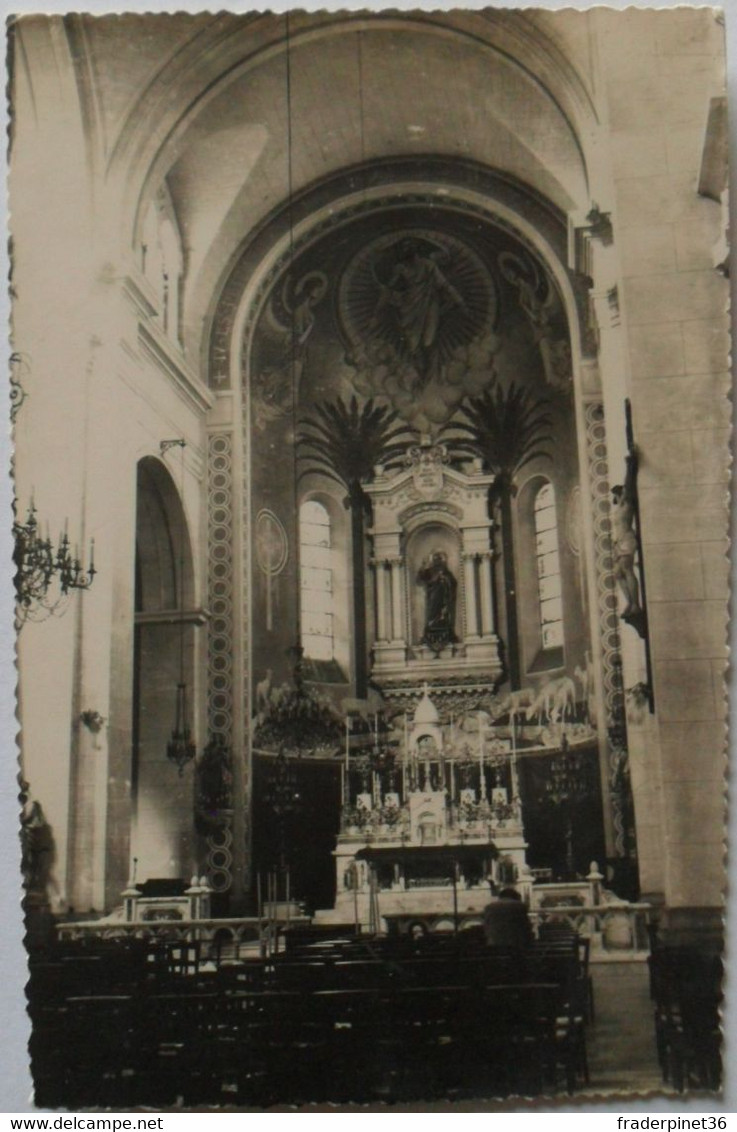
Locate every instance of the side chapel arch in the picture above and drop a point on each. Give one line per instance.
(161, 834)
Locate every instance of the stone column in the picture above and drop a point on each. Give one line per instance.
(487, 610)
(382, 633)
(469, 573)
(395, 565)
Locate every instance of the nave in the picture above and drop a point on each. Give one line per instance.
(358, 1020)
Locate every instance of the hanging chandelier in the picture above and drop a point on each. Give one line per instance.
(180, 748)
(38, 564)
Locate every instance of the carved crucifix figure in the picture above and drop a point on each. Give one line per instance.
(624, 542)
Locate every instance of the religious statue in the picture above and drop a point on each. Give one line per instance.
(38, 851)
(441, 589)
(417, 292)
(624, 543)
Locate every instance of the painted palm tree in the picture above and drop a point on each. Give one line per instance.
(508, 429)
(345, 442)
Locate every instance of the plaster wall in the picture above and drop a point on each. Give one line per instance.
(659, 72)
(96, 403)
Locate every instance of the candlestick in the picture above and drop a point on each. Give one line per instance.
(405, 753)
(482, 782)
(515, 775)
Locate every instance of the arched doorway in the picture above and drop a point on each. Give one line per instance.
(162, 836)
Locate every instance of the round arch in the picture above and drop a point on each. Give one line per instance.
(219, 54)
(163, 657)
(164, 563)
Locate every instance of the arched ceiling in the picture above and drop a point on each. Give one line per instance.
(213, 90)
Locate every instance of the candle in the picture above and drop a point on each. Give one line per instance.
(405, 753)
(482, 780)
(515, 776)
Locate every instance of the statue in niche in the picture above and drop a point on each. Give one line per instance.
(441, 589)
(417, 294)
(624, 544)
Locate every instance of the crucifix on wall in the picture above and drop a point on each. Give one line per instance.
(627, 558)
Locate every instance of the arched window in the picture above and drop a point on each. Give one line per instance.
(548, 568)
(162, 261)
(316, 582)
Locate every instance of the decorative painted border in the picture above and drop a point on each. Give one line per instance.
(220, 627)
(607, 608)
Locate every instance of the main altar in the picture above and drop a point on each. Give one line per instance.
(431, 815)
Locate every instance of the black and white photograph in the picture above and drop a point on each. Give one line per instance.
(371, 444)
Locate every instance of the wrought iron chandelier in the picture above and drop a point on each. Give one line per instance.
(180, 748)
(38, 564)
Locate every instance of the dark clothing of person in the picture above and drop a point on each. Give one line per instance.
(506, 924)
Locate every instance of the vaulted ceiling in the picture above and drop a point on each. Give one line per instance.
(202, 103)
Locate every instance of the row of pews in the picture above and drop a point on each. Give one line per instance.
(126, 1023)
(686, 989)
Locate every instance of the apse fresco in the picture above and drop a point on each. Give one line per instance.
(417, 311)
(408, 381)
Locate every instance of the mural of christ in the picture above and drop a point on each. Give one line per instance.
(418, 293)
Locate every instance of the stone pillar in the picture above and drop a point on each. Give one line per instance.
(395, 565)
(469, 573)
(382, 628)
(487, 610)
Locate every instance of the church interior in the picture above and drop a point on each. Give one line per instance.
(370, 403)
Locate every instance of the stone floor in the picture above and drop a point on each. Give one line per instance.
(621, 1042)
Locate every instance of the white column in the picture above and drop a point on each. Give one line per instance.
(381, 610)
(487, 611)
(472, 624)
(397, 610)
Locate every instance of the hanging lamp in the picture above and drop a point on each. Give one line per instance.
(180, 748)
